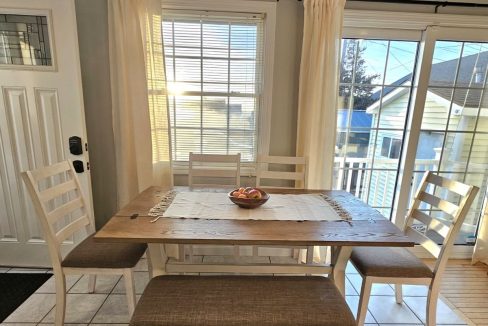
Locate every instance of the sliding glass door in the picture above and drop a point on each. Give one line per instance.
(453, 138)
(407, 107)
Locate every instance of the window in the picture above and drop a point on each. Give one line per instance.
(391, 147)
(375, 87)
(214, 73)
(24, 40)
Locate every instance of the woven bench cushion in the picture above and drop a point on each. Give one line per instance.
(91, 253)
(389, 262)
(241, 300)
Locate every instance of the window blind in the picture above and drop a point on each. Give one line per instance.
(214, 68)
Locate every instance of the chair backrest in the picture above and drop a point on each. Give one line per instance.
(298, 176)
(224, 168)
(56, 193)
(464, 195)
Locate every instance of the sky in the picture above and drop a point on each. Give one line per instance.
(400, 59)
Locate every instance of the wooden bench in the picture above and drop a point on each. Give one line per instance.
(241, 300)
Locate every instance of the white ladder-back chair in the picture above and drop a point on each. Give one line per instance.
(264, 175)
(56, 193)
(398, 265)
(225, 168)
(218, 171)
(298, 176)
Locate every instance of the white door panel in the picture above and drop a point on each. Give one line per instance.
(40, 108)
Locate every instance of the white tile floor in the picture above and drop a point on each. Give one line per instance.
(108, 305)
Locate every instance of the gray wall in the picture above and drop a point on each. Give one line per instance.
(92, 23)
(288, 44)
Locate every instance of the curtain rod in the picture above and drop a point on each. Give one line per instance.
(437, 4)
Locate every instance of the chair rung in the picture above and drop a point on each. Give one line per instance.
(425, 242)
(282, 175)
(72, 227)
(57, 190)
(442, 204)
(64, 210)
(454, 186)
(213, 173)
(52, 170)
(431, 223)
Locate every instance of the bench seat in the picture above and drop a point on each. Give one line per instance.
(241, 300)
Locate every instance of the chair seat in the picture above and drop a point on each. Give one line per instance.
(94, 254)
(241, 300)
(389, 262)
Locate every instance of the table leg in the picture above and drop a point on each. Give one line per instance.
(340, 257)
(157, 259)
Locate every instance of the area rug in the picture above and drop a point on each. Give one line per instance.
(15, 288)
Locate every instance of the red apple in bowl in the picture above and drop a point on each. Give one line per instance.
(254, 194)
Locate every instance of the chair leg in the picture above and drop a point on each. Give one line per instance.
(255, 251)
(130, 290)
(398, 293)
(181, 253)
(432, 305)
(323, 254)
(60, 281)
(296, 255)
(92, 281)
(190, 253)
(301, 255)
(363, 301)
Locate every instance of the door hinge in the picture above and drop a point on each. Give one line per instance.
(86, 147)
(88, 165)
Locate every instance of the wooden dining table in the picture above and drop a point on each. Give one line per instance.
(366, 227)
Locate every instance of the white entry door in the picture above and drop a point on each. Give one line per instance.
(41, 107)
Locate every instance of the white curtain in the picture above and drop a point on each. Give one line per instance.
(318, 89)
(480, 253)
(139, 107)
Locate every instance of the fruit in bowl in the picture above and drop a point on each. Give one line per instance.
(248, 197)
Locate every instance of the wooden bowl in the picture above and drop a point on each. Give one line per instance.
(249, 202)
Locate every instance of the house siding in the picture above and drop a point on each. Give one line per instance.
(457, 145)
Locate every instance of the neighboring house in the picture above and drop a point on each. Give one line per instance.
(359, 133)
(461, 103)
(358, 141)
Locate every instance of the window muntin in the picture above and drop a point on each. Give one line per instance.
(391, 147)
(24, 40)
(214, 73)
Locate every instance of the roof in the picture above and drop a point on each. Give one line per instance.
(471, 74)
(359, 119)
(444, 74)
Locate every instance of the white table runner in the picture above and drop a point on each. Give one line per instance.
(210, 205)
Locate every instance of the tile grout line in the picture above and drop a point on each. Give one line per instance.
(54, 307)
(416, 315)
(106, 298)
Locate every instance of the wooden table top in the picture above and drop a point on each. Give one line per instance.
(367, 227)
